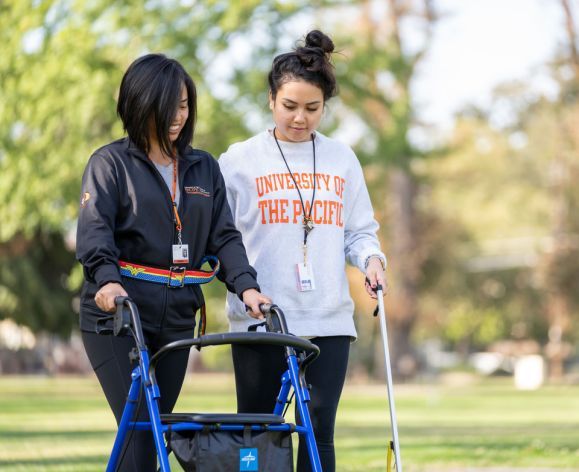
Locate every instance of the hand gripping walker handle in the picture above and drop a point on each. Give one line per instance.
(274, 318)
(122, 317)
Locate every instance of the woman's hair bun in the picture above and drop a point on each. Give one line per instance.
(311, 63)
(317, 39)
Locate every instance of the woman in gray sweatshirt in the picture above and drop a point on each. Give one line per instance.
(302, 206)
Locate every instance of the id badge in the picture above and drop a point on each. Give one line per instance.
(180, 253)
(305, 277)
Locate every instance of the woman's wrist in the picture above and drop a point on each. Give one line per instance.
(378, 257)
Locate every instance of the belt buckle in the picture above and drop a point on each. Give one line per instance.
(179, 273)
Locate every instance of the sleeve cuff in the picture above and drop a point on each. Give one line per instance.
(244, 282)
(365, 258)
(107, 273)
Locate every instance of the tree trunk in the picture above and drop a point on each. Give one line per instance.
(403, 257)
(552, 270)
(558, 300)
(557, 350)
(571, 35)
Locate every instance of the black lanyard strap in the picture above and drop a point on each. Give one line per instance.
(307, 220)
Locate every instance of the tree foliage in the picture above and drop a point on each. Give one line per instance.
(60, 70)
(511, 189)
(482, 240)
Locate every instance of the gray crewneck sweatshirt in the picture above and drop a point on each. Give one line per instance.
(267, 210)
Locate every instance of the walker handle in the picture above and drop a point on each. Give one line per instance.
(127, 317)
(274, 318)
(122, 317)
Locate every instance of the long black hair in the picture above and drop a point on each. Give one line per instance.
(310, 63)
(151, 90)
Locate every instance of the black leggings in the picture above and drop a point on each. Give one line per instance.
(109, 357)
(258, 370)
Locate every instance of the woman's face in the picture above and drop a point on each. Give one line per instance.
(297, 110)
(179, 120)
(181, 116)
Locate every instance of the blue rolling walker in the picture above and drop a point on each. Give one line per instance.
(299, 354)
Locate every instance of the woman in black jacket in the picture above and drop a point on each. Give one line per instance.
(151, 208)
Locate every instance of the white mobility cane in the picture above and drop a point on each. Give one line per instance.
(382, 312)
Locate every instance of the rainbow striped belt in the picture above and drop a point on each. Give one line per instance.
(175, 277)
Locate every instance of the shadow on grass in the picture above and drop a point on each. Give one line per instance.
(554, 437)
(47, 461)
(524, 431)
(20, 435)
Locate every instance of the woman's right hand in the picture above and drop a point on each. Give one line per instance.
(252, 299)
(105, 297)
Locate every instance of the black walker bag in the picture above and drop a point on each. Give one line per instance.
(230, 451)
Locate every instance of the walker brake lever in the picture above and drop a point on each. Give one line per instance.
(101, 328)
(254, 327)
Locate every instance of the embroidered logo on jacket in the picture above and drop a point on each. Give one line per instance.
(197, 191)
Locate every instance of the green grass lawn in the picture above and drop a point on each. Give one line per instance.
(63, 424)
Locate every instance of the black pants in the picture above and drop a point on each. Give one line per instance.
(109, 357)
(258, 371)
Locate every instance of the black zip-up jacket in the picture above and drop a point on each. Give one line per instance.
(126, 214)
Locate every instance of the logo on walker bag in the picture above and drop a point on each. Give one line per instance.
(248, 459)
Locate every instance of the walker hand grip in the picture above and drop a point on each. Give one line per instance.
(122, 317)
(120, 301)
(265, 307)
(274, 318)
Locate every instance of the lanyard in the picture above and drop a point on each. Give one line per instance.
(177, 220)
(307, 221)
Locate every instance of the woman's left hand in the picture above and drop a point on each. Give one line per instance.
(375, 276)
(252, 299)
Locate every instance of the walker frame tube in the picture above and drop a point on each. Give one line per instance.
(143, 381)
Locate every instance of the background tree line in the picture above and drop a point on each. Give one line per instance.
(481, 230)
